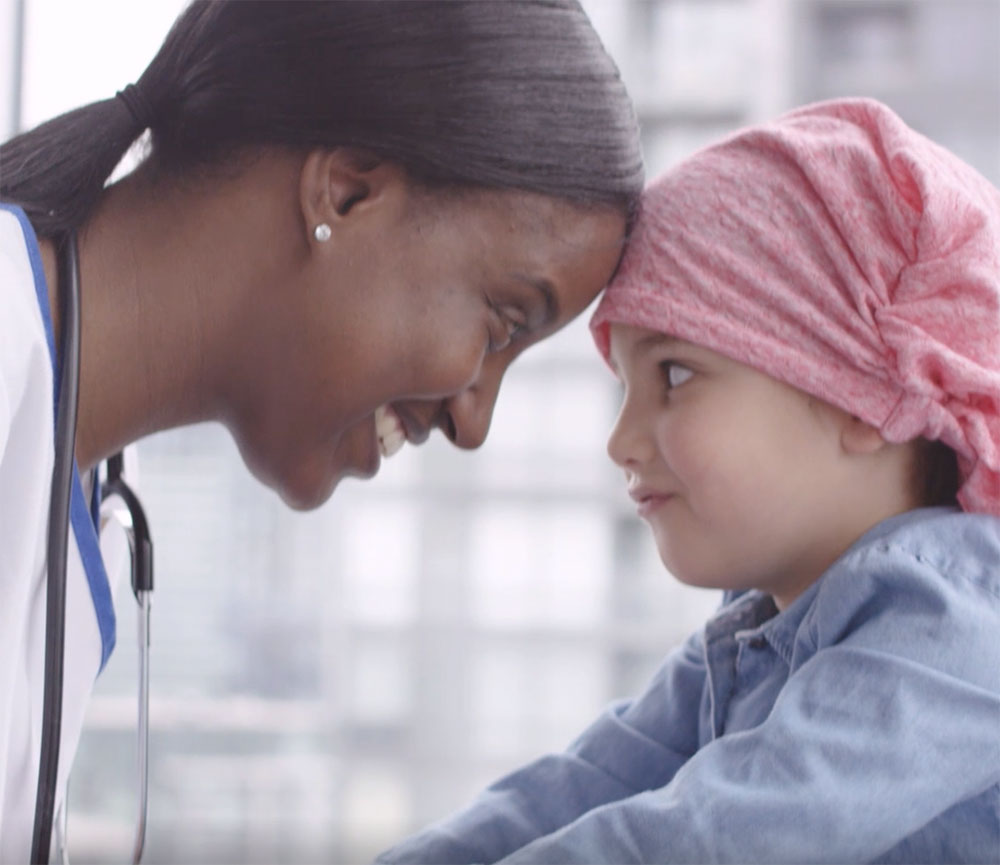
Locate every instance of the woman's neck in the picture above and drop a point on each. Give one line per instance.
(160, 271)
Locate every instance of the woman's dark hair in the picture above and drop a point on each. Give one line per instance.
(936, 474)
(462, 93)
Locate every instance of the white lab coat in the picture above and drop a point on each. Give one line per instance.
(26, 459)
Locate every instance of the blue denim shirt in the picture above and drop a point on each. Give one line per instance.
(860, 724)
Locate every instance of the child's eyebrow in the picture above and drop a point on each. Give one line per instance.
(646, 344)
(657, 340)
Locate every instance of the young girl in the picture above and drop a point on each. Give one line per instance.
(807, 326)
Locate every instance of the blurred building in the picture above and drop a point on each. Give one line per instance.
(325, 682)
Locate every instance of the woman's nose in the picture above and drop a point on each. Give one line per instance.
(468, 414)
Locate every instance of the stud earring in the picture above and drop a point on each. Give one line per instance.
(322, 232)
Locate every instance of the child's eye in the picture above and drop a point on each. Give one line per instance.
(674, 374)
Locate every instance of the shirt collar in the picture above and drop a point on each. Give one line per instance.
(752, 614)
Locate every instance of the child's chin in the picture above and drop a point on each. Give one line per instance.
(689, 573)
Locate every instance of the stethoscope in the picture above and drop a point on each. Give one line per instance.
(141, 549)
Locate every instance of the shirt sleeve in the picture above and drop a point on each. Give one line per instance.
(634, 745)
(890, 723)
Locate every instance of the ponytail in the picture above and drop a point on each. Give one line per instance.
(56, 171)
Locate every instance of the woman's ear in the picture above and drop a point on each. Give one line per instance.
(858, 437)
(334, 184)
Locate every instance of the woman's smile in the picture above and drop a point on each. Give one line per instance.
(389, 430)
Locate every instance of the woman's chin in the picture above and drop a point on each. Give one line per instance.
(306, 477)
(300, 484)
(306, 491)
(311, 486)
(299, 500)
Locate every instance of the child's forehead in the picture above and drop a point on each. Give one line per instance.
(635, 336)
(632, 341)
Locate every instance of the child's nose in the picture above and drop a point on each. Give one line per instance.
(628, 443)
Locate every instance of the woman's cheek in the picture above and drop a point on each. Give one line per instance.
(451, 364)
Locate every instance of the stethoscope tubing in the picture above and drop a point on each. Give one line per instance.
(144, 599)
(140, 547)
(58, 541)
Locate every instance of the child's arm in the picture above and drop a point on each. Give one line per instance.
(635, 745)
(884, 745)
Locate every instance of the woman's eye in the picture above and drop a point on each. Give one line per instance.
(675, 374)
(515, 320)
(512, 322)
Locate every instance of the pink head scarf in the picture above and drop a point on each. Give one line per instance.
(839, 251)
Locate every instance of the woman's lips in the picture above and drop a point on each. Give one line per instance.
(388, 430)
(396, 425)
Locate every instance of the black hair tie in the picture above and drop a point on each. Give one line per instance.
(138, 106)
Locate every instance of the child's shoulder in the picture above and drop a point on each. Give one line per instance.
(946, 542)
(910, 580)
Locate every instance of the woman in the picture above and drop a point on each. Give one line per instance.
(351, 218)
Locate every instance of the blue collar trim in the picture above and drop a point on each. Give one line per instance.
(84, 518)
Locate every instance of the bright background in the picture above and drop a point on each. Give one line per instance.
(324, 683)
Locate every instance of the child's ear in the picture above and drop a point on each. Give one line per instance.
(858, 437)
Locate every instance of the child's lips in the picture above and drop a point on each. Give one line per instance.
(648, 499)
